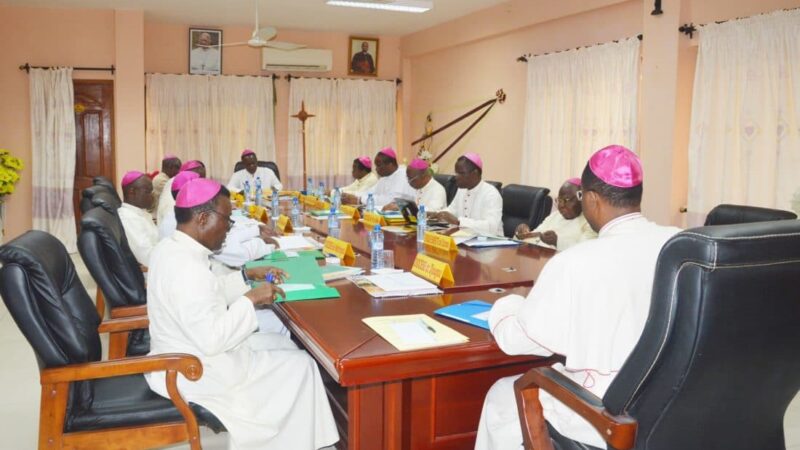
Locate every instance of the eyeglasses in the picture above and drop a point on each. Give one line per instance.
(579, 196)
(563, 201)
(231, 222)
(415, 177)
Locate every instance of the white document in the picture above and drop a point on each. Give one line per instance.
(296, 243)
(413, 333)
(482, 241)
(291, 287)
(482, 316)
(401, 282)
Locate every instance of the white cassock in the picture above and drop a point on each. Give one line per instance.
(268, 180)
(569, 231)
(389, 188)
(166, 203)
(479, 208)
(204, 61)
(267, 392)
(159, 181)
(361, 185)
(140, 231)
(432, 195)
(589, 304)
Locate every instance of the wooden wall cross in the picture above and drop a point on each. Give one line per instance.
(302, 116)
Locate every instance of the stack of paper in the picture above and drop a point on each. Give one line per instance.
(296, 243)
(485, 241)
(331, 272)
(403, 284)
(414, 331)
(393, 217)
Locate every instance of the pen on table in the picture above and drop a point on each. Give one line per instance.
(270, 278)
(424, 324)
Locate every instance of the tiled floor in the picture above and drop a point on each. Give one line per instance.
(19, 391)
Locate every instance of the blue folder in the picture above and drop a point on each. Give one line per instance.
(465, 312)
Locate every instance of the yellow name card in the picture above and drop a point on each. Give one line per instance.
(435, 271)
(323, 205)
(340, 249)
(351, 211)
(439, 241)
(258, 213)
(308, 200)
(372, 219)
(284, 224)
(290, 193)
(445, 255)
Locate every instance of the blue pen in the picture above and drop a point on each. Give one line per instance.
(270, 278)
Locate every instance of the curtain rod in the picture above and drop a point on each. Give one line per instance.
(274, 76)
(690, 28)
(27, 68)
(289, 77)
(525, 58)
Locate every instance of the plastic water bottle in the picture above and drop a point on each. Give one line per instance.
(422, 223)
(337, 198)
(258, 193)
(295, 213)
(246, 191)
(276, 207)
(321, 193)
(376, 253)
(333, 219)
(310, 187)
(370, 203)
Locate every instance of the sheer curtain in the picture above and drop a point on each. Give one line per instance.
(53, 153)
(351, 118)
(210, 118)
(578, 101)
(743, 144)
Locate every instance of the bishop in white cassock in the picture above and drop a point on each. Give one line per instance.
(170, 166)
(140, 231)
(166, 202)
(392, 182)
(250, 172)
(364, 177)
(589, 303)
(477, 204)
(267, 393)
(428, 191)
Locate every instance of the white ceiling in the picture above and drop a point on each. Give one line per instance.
(294, 14)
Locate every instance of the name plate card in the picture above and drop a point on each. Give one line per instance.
(290, 193)
(340, 249)
(258, 213)
(371, 219)
(323, 205)
(308, 200)
(439, 241)
(284, 224)
(351, 211)
(433, 270)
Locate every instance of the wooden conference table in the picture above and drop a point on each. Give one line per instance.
(383, 398)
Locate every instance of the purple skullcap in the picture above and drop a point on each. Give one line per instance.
(475, 158)
(196, 192)
(169, 156)
(365, 161)
(389, 151)
(575, 180)
(189, 165)
(247, 152)
(419, 164)
(617, 166)
(131, 176)
(182, 178)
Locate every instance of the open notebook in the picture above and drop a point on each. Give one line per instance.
(414, 331)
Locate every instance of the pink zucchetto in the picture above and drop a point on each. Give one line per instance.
(365, 161)
(169, 156)
(247, 152)
(475, 158)
(182, 178)
(575, 180)
(189, 165)
(196, 192)
(389, 151)
(419, 164)
(131, 176)
(617, 166)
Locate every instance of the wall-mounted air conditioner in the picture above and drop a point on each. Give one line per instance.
(300, 60)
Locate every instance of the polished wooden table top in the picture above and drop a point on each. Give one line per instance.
(352, 353)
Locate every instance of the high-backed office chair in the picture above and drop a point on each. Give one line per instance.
(103, 181)
(733, 214)
(113, 266)
(497, 184)
(449, 184)
(524, 204)
(717, 363)
(269, 164)
(86, 402)
(107, 201)
(87, 195)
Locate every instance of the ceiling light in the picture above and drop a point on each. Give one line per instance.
(413, 6)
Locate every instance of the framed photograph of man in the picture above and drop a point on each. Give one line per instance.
(205, 53)
(363, 56)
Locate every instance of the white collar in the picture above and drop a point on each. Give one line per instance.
(608, 227)
(191, 244)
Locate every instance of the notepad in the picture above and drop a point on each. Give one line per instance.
(414, 331)
(404, 284)
(331, 272)
(296, 243)
(473, 312)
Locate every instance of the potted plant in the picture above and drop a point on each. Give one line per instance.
(10, 167)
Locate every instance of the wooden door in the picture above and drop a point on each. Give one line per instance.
(94, 152)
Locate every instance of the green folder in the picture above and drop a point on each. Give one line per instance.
(279, 255)
(301, 270)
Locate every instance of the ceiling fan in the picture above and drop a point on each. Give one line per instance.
(261, 37)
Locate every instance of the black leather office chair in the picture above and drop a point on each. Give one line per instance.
(107, 201)
(717, 363)
(88, 193)
(113, 266)
(86, 402)
(733, 214)
(449, 184)
(524, 204)
(269, 164)
(103, 181)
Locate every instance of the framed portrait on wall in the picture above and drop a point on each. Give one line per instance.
(205, 51)
(363, 56)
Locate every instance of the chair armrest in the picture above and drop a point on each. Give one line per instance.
(619, 431)
(188, 365)
(123, 324)
(129, 311)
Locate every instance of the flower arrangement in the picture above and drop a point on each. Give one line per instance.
(10, 167)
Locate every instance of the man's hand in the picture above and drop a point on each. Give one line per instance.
(260, 274)
(522, 230)
(391, 207)
(549, 237)
(444, 216)
(265, 294)
(349, 199)
(268, 235)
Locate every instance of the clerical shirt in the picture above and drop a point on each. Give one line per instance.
(479, 208)
(569, 231)
(432, 195)
(268, 180)
(389, 188)
(166, 202)
(140, 231)
(158, 186)
(361, 185)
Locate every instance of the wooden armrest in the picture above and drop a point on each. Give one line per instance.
(143, 268)
(129, 311)
(123, 324)
(618, 431)
(188, 365)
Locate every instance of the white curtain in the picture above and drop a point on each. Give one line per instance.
(53, 153)
(578, 101)
(744, 139)
(210, 118)
(351, 118)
